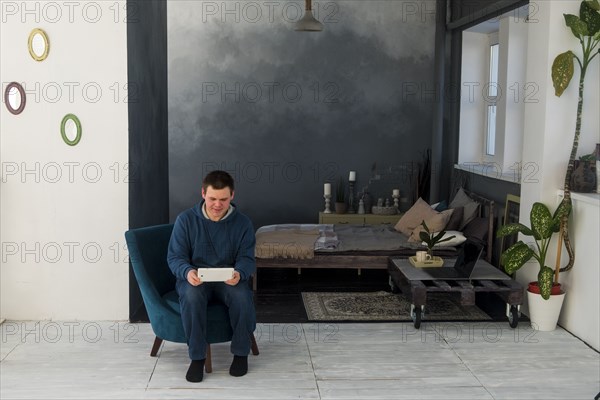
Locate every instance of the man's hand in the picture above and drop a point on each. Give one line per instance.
(234, 281)
(193, 278)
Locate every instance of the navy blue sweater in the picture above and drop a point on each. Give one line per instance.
(198, 242)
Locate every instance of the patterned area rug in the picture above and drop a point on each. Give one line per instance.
(384, 306)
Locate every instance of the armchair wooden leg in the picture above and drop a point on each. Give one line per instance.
(254, 345)
(157, 342)
(208, 362)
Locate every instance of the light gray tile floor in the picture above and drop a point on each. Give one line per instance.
(110, 360)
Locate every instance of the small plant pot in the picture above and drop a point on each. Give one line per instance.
(583, 179)
(544, 314)
(340, 208)
(534, 288)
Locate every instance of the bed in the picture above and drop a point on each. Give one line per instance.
(361, 247)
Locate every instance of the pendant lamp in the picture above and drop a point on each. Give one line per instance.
(308, 23)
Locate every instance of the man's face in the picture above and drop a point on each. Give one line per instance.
(217, 202)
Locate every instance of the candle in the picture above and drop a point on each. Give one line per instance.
(352, 176)
(327, 188)
(396, 192)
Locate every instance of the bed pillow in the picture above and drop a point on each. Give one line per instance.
(470, 207)
(412, 218)
(455, 219)
(435, 223)
(458, 239)
(441, 206)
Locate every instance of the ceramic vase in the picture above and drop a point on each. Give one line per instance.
(583, 179)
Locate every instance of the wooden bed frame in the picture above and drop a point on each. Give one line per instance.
(371, 259)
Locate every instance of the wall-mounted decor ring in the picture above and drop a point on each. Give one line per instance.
(38, 44)
(14, 98)
(70, 129)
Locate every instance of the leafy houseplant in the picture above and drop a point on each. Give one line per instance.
(340, 197)
(432, 238)
(586, 28)
(543, 226)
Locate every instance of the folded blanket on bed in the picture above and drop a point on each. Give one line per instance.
(286, 243)
(328, 240)
(371, 238)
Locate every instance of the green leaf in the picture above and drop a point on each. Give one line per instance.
(563, 209)
(437, 237)
(545, 279)
(541, 221)
(511, 229)
(425, 226)
(590, 16)
(563, 68)
(578, 27)
(424, 237)
(515, 257)
(593, 4)
(446, 239)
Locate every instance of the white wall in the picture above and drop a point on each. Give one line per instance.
(549, 127)
(514, 91)
(580, 312)
(64, 209)
(474, 75)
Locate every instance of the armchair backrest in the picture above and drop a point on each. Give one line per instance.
(148, 254)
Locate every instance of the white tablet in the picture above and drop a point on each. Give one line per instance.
(215, 274)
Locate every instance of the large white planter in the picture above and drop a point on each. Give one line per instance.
(543, 314)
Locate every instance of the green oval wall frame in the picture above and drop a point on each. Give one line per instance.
(63, 124)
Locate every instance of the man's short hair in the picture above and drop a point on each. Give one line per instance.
(218, 180)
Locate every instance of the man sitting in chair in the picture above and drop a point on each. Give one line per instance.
(214, 234)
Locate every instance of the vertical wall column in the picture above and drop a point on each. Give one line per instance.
(148, 125)
(438, 113)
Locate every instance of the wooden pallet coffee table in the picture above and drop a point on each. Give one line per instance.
(416, 284)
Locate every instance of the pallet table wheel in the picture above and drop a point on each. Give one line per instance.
(394, 288)
(416, 314)
(513, 316)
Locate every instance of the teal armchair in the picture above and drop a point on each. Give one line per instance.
(148, 256)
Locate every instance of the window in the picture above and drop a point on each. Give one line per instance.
(492, 97)
(492, 105)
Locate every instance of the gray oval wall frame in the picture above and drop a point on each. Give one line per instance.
(70, 129)
(38, 44)
(14, 98)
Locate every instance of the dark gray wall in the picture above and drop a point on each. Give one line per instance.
(373, 65)
(147, 112)
(286, 111)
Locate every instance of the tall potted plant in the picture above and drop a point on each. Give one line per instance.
(544, 225)
(340, 197)
(586, 28)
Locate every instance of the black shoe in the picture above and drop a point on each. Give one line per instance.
(195, 372)
(239, 366)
